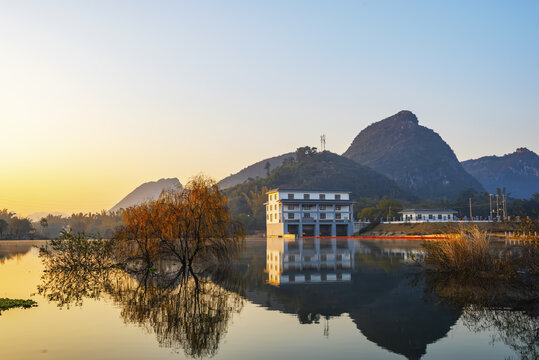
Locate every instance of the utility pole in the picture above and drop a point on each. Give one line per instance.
(490, 201)
(504, 204)
(497, 207)
(471, 218)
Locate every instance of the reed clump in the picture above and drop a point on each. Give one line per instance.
(469, 252)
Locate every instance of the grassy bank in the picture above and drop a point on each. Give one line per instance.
(435, 228)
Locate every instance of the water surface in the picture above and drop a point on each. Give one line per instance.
(321, 299)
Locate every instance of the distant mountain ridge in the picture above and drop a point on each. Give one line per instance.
(147, 192)
(518, 172)
(254, 171)
(416, 157)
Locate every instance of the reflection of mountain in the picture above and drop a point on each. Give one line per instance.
(381, 300)
(10, 250)
(402, 320)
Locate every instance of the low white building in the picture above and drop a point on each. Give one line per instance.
(428, 215)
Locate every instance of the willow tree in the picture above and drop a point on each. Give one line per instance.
(189, 225)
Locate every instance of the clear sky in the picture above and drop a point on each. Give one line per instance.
(97, 97)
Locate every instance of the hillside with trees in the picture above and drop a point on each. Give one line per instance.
(311, 170)
(260, 169)
(518, 172)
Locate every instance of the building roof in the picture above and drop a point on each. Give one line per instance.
(309, 190)
(428, 211)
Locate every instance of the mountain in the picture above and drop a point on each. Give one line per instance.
(257, 170)
(147, 192)
(414, 156)
(311, 170)
(517, 172)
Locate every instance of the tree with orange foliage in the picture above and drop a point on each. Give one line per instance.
(188, 225)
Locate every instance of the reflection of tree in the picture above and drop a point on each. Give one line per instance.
(71, 287)
(507, 308)
(185, 312)
(517, 329)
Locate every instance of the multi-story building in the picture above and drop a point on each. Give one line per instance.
(309, 213)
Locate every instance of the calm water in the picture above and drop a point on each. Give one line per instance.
(344, 299)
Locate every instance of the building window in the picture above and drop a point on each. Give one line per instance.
(430, 216)
(290, 196)
(322, 207)
(439, 217)
(338, 197)
(290, 215)
(322, 216)
(322, 196)
(306, 196)
(306, 215)
(337, 216)
(337, 207)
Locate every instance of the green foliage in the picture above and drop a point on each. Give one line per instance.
(315, 170)
(6, 304)
(74, 251)
(11, 226)
(385, 208)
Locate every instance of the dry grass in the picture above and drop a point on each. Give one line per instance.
(469, 251)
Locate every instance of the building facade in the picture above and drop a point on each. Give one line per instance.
(428, 215)
(309, 213)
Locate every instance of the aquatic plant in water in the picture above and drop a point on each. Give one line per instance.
(6, 304)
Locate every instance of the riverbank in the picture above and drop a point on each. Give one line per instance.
(419, 229)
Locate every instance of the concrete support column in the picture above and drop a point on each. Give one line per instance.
(300, 226)
(317, 223)
(334, 223)
(300, 243)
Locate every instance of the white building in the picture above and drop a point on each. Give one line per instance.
(309, 213)
(428, 215)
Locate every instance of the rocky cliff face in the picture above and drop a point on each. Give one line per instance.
(518, 172)
(416, 157)
(147, 192)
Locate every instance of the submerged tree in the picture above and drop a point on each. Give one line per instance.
(188, 225)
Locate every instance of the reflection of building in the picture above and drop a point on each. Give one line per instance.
(309, 261)
(309, 213)
(428, 215)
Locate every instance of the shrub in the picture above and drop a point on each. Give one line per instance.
(469, 251)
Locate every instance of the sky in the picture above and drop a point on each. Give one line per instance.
(97, 97)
